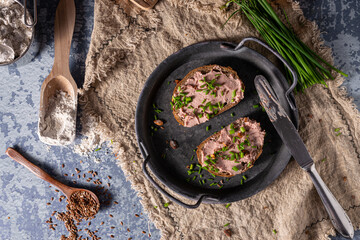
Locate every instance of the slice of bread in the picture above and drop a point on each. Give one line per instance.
(222, 90)
(213, 153)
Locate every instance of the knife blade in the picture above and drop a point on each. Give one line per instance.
(291, 138)
(282, 123)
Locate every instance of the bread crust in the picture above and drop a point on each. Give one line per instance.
(222, 173)
(204, 69)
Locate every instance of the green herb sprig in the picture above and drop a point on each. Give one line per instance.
(310, 67)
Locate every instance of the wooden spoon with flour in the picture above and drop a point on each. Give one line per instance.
(58, 98)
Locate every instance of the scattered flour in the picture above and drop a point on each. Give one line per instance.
(15, 36)
(58, 126)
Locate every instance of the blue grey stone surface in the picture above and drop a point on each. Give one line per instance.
(24, 198)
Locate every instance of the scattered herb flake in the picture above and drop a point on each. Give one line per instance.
(166, 204)
(337, 129)
(274, 231)
(226, 224)
(98, 149)
(255, 106)
(232, 114)
(228, 205)
(207, 128)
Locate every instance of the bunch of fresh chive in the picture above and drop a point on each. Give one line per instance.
(310, 67)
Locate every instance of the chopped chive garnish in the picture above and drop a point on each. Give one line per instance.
(232, 114)
(255, 106)
(213, 174)
(155, 117)
(155, 207)
(274, 231)
(210, 179)
(241, 154)
(222, 93)
(207, 128)
(242, 129)
(242, 182)
(232, 131)
(228, 205)
(234, 93)
(235, 169)
(166, 205)
(200, 182)
(337, 129)
(244, 177)
(193, 179)
(204, 101)
(249, 164)
(212, 184)
(179, 89)
(192, 157)
(97, 149)
(169, 82)
(191, 166)
(203, 181)
(111, 141)
(194, 150)
(226, 224)
(338, 134)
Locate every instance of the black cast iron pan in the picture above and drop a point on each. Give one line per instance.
(169, 165)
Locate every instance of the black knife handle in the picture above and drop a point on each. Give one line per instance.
(337, 215)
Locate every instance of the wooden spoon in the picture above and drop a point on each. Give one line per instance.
(60, 77)
(68, 191)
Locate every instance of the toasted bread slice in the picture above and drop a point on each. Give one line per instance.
(223, 156)
(205, 92)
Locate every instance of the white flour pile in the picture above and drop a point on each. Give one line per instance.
(15, 36)
(58, 126)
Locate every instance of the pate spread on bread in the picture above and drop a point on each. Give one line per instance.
(233, 150)
(204, 93)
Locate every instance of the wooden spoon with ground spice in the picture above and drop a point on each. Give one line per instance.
(78, 196)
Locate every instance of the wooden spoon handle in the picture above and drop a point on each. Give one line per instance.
(15, 155)
(63, 32)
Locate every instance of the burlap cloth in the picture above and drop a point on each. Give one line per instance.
(127, 45)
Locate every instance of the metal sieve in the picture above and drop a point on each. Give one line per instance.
(30, 24)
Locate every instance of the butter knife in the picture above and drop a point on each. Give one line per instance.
(296, 146)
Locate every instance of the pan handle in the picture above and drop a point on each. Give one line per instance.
(292, 71)
(157, 186)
